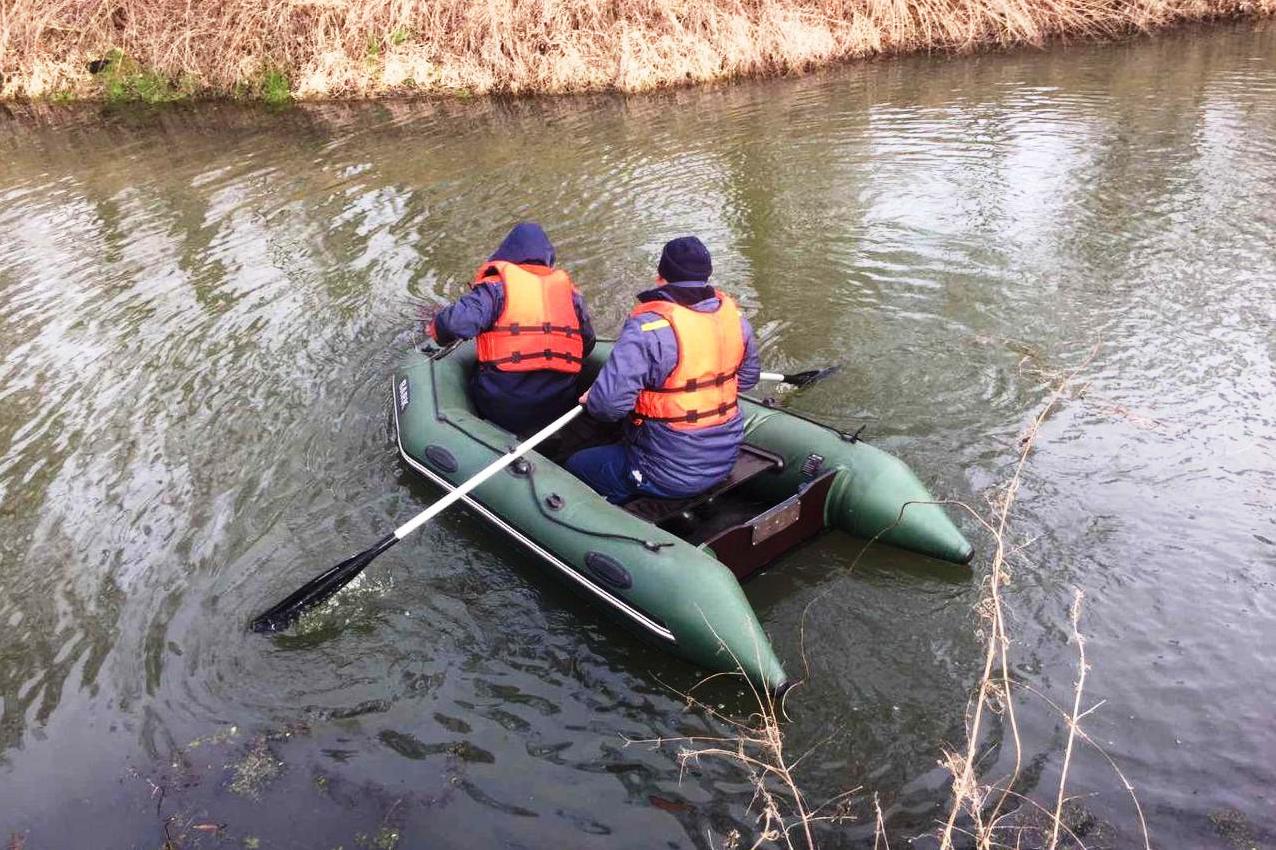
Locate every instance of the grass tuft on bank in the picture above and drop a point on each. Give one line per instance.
(278, 50)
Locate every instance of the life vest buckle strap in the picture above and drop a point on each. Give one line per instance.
(516, 328)
(690, 416)
(548, 354)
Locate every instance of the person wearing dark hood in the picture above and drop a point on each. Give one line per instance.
(683, 356)
(532, 328)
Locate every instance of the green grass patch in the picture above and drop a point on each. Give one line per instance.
(123, 79)
(274, 88)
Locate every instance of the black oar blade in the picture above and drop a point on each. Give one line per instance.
(805, 379)
(319, 589)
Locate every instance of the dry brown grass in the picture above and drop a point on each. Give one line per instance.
(359, 48)
(755, 744)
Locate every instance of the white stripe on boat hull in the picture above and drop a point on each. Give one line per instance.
(619, 604)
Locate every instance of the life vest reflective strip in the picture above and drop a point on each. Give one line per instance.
(702, 389)
(538, 328)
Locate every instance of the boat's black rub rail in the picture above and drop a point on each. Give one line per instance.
(648, 622)
(771, 404)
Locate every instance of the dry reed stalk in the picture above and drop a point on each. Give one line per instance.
(757, 745)
(967, 796)
(984, 834)
(1073, 719)
(879, 827)
(1085, 737)
(343, 48)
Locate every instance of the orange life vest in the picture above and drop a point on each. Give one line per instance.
(701, 390)
(538, 328)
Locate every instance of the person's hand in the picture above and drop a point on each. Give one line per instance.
(425, 317)
(584, 398)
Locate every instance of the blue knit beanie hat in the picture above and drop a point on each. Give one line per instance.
(685, 258)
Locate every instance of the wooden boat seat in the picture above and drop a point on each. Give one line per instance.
(751, 463)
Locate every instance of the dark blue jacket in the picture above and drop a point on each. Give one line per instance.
(676, 463)
(516, 401)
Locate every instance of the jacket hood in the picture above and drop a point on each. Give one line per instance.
(526, 243)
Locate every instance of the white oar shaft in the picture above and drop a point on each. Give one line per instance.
(491, 469)
(771, 376)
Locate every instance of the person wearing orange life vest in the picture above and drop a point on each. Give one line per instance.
(532, 328)
(674, 374)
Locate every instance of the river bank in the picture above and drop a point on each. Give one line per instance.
(281, 50)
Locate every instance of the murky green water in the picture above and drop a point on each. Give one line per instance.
(199, 309)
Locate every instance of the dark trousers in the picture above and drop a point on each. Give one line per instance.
(610, 470)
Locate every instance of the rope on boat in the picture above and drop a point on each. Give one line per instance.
(649, 545)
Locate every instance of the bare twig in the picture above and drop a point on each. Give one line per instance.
(879, 827)
(965, 793)
(1074, 719)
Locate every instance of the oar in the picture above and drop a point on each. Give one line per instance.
(323, 586)
(801, 379)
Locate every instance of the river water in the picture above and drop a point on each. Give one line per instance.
(200, 308)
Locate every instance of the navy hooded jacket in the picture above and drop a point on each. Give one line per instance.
(519, 402)
(674, 463)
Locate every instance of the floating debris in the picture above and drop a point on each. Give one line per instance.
(257, 769)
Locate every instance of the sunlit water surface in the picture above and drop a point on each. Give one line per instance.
(200, 308)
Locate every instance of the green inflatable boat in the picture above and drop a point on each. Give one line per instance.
(669, 569)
